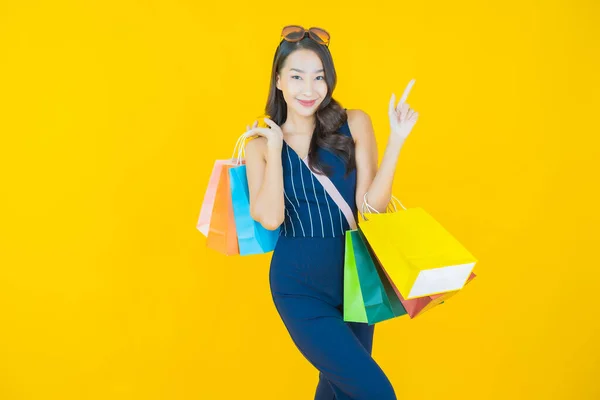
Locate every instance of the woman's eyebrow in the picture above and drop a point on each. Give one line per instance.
(299, 70)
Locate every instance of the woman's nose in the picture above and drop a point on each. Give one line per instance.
(307, 90)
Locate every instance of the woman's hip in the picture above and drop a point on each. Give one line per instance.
(308, 266)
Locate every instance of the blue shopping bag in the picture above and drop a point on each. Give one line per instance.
(253, 238)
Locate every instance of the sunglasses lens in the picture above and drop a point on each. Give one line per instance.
(293, 32)
(319, 35)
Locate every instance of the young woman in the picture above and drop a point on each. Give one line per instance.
(307, 128)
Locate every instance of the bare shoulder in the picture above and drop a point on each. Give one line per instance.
(359, 123)
(256, 147)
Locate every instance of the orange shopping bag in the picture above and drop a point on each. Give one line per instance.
(209, 197)
(211, 189)
(222, 235)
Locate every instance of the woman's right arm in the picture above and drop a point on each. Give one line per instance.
(265, 182)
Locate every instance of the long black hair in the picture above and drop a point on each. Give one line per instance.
(329, 116)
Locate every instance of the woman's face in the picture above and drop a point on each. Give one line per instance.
(302, 78)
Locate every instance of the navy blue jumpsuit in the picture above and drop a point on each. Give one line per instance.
(307, 279)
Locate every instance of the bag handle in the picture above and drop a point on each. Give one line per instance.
(370, 209)
(240, 146)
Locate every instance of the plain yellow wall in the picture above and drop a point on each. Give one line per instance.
(112, 114)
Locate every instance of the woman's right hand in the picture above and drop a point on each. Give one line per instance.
(273, 134)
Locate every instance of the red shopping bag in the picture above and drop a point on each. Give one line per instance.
(420, 305)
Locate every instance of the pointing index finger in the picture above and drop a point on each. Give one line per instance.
(407, 91)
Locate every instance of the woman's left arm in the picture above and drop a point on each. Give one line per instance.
(377, 183)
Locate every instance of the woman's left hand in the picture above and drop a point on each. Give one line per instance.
(402, 117)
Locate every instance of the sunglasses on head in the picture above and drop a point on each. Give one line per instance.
(295, 33)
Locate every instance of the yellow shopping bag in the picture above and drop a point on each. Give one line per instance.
(419, 255)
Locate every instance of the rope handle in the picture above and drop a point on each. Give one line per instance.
(370, 209)
(240, 146)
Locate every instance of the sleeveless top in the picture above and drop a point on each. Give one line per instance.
(309, 210)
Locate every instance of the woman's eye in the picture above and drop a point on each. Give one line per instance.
(297, 76)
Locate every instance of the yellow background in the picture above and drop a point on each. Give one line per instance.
(113, 112)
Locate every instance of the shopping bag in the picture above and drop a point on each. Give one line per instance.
(216, 220)
(222, 235)
(420, 305)
(420, 257)
(354, 306)
(209, 196)
(437, 299)
(252, 237)
(211, 190)
(365, 297)
(397, 306)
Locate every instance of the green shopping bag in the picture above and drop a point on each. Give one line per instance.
(366, 298)
(354, 306)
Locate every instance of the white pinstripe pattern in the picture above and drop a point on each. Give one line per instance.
(330, 217)
(318, 206)
(308, 205)
(287, 150)
(293, 229)
(303, 188)
(298, 215)
(284, 224)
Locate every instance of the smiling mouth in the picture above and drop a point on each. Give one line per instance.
(307, 103)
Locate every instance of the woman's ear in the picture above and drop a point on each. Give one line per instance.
(277, 82)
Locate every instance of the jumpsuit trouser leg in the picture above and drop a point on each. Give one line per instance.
(306, 280)
(332, 347)
(364, 333)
